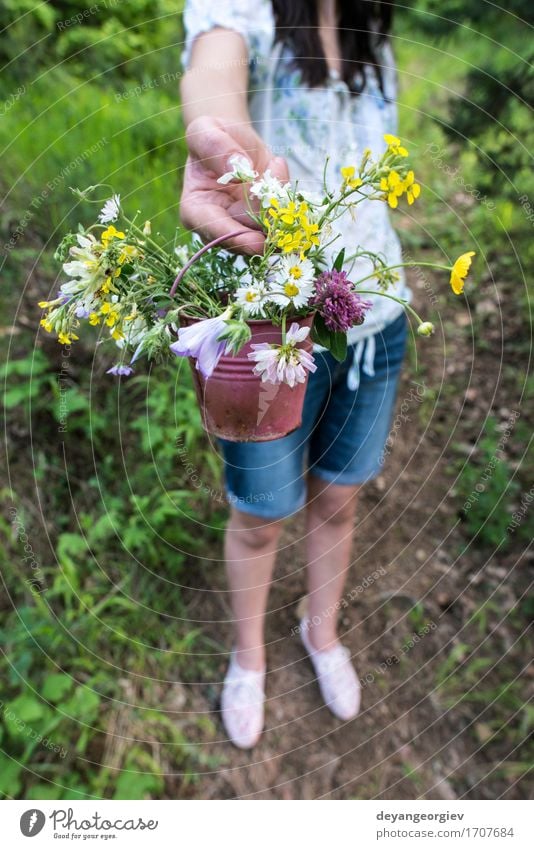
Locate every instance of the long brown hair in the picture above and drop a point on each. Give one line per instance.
(363, 26)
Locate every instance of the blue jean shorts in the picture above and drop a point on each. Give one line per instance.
(345, 424)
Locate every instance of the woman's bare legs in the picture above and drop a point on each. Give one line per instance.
(250, 549)
(330, 525)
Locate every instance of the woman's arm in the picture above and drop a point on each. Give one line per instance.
(214, 95)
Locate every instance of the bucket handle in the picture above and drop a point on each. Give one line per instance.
(200, 253)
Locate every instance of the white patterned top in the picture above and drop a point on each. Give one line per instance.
(305, 125)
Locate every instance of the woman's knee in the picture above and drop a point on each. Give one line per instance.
(334, 505)
(255, 532)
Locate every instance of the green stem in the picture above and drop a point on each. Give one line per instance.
(146, 238)
(400, 301)
(337, 202)
(403, 265)
(284, 318)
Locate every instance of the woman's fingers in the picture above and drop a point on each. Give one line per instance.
(211, 221)
(212, 146)
(212, 209)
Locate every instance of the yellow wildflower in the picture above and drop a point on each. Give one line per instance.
(47, 325)
(106, 285)
(393, 186)
(290, 227)
(66, 338)
(349, 178)
(116, 335)
(412, 189)
(394, 145)
(459, 272)
(111, 233)
(105, 308)
(94, 319)
(112, 318)
(127, 252)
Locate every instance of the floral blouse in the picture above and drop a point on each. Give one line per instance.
(305, 125)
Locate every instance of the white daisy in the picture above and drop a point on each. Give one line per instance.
(252, 298)
(293, 282)
(241, 170)
(110, 211)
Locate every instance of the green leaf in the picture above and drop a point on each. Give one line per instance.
(56, 687)
(83, 704)
(18, 395)
(338, 346)
(339, 260)
(26, 709)
(43, 791)
(30, 365)
(320, 333)
(70, 546)
(10, 771)
(136, 785)
(335, 342)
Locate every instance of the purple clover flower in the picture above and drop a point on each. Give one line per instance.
(340, 306)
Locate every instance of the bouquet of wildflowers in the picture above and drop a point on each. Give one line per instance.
(121, 281)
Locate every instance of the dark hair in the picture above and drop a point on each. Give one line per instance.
(363, 27)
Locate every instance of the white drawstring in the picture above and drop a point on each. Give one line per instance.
(369, 356)
(368, 367)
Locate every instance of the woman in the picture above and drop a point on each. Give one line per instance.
(287, 83)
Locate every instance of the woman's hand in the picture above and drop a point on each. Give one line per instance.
(206, 206)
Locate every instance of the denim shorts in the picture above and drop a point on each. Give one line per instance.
(345, 425)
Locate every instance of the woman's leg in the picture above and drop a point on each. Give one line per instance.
(348, 445)
(330, 525)
(250, 550)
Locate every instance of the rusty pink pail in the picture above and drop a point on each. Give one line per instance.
(236, 405)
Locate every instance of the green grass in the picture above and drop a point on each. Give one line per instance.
(107, 603)
(83, 136)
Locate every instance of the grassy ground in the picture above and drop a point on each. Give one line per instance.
(114, 614)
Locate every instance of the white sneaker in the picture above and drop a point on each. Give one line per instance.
(242, 704)
(336, 676)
